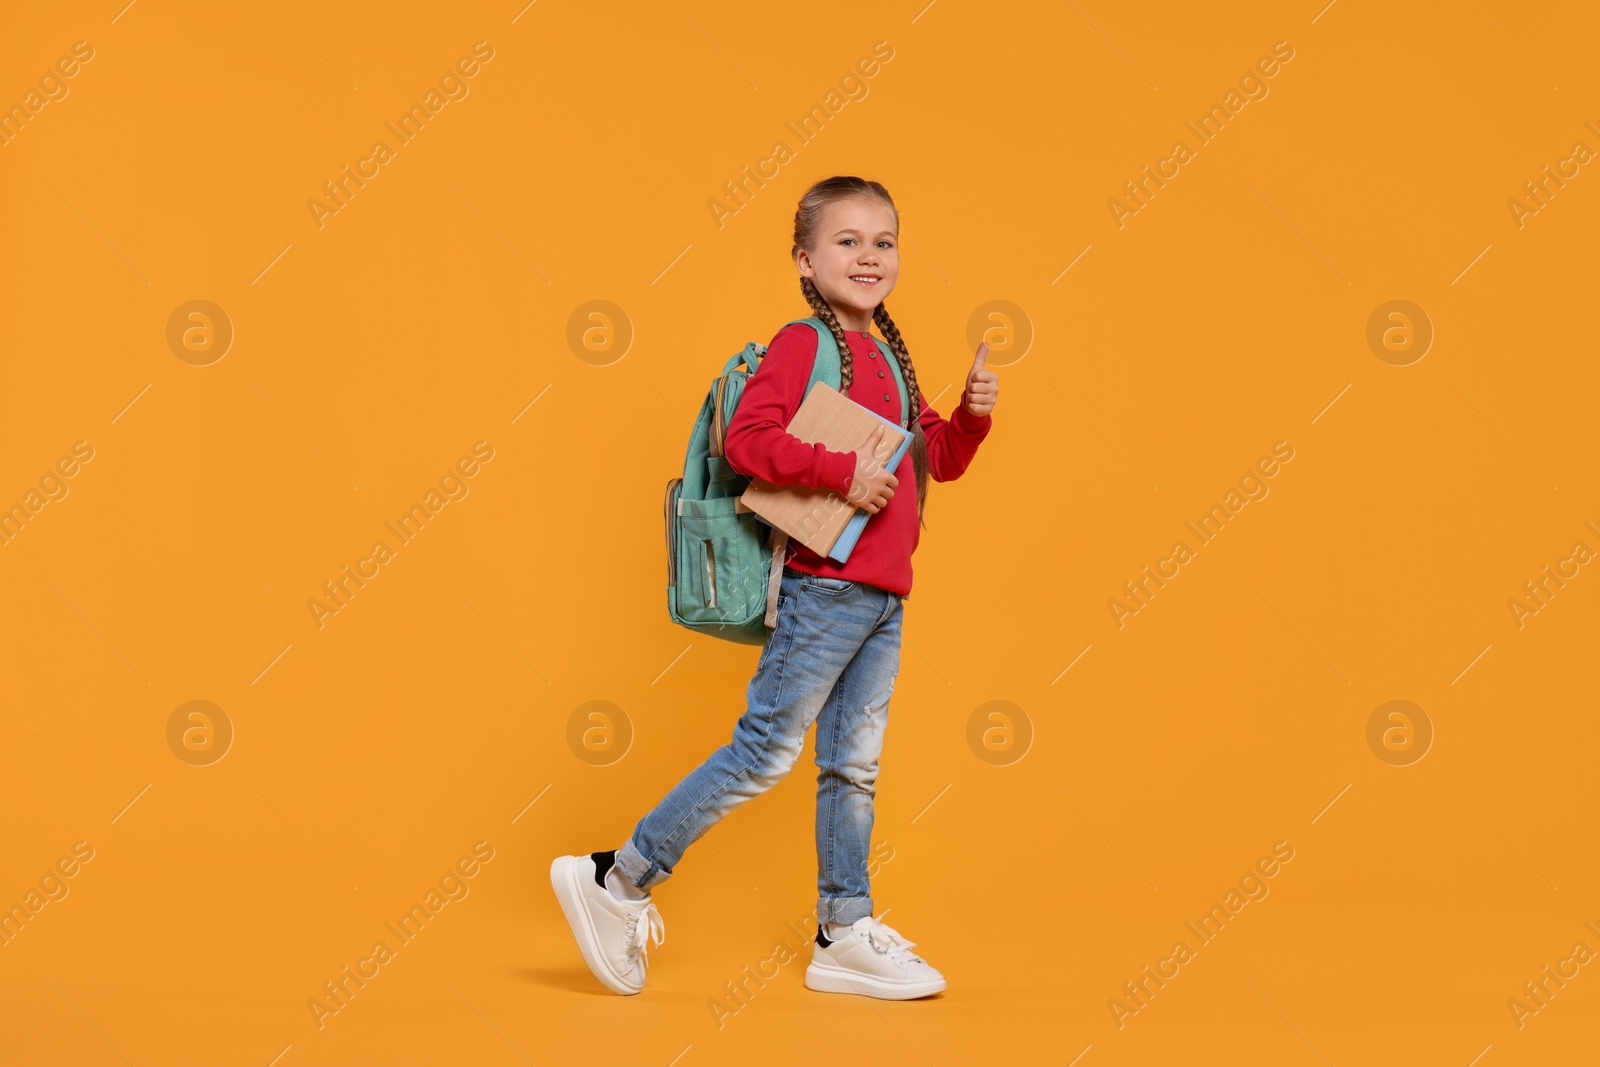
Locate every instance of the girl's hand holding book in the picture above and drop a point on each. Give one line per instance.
(873, 484)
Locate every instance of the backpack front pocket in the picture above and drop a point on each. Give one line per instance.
(724, 547)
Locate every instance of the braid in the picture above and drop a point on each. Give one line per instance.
(813, 296)
(919, 441)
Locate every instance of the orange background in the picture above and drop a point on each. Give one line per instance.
(432, 712)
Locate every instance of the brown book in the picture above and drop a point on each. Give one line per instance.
(816, 517)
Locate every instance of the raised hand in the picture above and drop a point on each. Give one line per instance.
(983, 385)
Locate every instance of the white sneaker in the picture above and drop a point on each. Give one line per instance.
(874, 960)
(611, 933)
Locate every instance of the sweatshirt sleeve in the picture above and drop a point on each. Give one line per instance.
(954, 441)
(757, 443)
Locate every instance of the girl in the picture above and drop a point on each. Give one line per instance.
(835, 653)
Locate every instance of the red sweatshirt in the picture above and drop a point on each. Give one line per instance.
(758, 444)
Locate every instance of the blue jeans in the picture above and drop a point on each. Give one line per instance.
(832, 659)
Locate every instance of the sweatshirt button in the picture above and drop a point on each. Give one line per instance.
(886, 396)
(872, 355)
(880, 374)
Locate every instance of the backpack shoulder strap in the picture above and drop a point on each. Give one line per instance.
(749, 357)
(825, 368)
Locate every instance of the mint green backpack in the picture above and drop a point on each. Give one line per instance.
(723, 564)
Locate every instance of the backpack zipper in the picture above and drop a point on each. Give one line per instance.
(711, 574)
(671, 527)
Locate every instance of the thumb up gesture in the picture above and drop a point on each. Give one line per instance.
(983, 385)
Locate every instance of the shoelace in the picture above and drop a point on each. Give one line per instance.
(643, 923)
(886, 939)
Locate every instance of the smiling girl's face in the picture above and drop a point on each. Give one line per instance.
(856, 260)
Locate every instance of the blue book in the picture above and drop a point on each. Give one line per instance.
(846, 543)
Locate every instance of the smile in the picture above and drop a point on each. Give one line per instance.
(866, 279)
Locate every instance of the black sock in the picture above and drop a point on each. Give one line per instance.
(603, 862)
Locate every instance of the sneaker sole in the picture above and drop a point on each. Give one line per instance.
(564, 879)
(825, 978)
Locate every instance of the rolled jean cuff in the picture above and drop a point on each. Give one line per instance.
(843, 911)
(640, 872)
